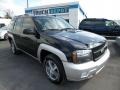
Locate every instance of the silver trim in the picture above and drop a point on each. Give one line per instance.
(51, 49)
(75, 71)
(10, 35)
(52, 70)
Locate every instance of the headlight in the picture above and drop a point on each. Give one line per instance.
(81, 56)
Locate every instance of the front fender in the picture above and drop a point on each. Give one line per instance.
(51, 49)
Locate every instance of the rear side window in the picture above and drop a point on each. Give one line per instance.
(86, 23)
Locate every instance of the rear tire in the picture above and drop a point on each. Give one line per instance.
(6, 36)
(54, 69)
(13, 48)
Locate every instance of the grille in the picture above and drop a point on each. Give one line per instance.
(99, 51)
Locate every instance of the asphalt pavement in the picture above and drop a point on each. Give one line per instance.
(21, 72)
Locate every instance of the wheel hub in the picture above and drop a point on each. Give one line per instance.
(52, 70)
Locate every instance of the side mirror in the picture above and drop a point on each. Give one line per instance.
(29, 31)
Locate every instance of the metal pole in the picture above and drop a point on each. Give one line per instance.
(27, 4)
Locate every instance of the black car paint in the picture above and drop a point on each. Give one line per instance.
(66, 41)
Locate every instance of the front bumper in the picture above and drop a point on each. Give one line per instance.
(1, 36)
(78, 72)
(118, 40)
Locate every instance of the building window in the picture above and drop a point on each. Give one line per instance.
(58, 10)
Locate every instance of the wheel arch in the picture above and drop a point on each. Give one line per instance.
(10, 37)
(6, 34)
(52, 50)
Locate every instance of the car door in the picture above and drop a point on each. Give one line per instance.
(16, 31)
(29, 41)
(99, 27)
(116, 30)
(110, 27)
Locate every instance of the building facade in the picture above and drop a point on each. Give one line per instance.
(71, 12)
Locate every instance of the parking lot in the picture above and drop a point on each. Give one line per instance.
(24, 73)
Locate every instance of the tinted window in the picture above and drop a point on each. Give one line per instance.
(18, 25)
(28, 23)
(11, 25)
(93, 22)
(111, 23)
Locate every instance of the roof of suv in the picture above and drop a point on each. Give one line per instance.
(95, 19)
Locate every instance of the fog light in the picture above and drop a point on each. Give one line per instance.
(84, 75)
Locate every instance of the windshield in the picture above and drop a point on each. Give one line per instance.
(50, 23)
(111, 23)
(117, 21)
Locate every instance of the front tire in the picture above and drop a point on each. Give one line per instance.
(54, 69)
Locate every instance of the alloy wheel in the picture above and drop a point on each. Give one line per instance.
(52, 70)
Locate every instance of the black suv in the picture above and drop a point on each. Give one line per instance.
(65, 52)
(100, 26)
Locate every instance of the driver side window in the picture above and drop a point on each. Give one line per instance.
(109, 23)
(28, 23)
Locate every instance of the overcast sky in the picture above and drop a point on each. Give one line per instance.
(93, 8)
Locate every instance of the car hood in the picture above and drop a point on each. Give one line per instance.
(80, 36)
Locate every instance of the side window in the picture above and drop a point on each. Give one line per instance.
(93, 23)
(86, 22)
(11, 25)
(28, 23)
(18, 25)
(99, 23)
(109, 23)
(115, 24)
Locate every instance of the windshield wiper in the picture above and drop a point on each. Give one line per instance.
(51, 29)
(68, 29)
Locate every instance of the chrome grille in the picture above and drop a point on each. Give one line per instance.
(99, 51)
